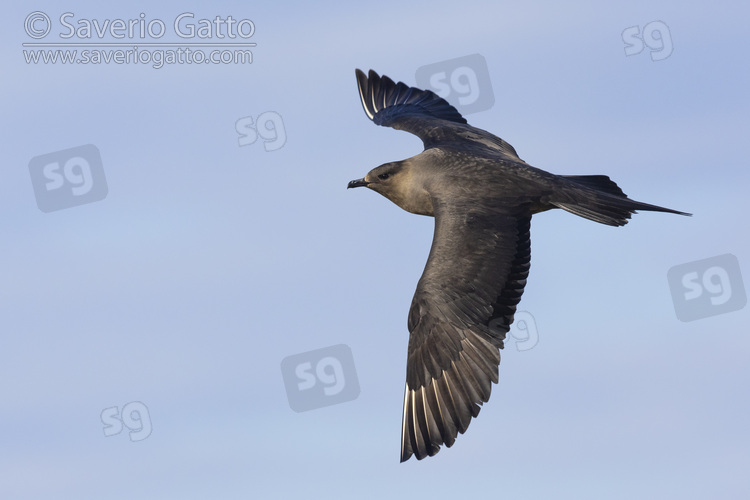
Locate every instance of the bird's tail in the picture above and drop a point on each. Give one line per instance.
(598, 198)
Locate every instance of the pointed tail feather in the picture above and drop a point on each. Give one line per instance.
(598, 198)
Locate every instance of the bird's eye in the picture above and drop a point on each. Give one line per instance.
(384, 176)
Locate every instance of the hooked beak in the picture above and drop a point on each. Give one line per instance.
(357, 183)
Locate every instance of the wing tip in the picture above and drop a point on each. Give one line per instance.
(374, 88)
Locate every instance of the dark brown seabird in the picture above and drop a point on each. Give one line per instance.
(482, 196)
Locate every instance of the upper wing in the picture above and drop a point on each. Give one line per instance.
(462, 309)
(426, 115)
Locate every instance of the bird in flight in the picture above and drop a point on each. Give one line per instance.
(482, 196)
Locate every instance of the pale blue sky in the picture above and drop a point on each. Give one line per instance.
(208, 263)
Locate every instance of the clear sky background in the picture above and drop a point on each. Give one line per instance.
(208, 263)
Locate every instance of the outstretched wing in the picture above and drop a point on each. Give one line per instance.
(461, 311)
(426, 115)
(385, 101)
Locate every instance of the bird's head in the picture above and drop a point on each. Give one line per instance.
(395, 181)
(385, 179)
